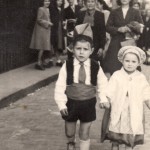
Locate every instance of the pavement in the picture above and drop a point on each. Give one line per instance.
(17, 83)
(34, 122)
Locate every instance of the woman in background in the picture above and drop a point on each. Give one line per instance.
(57, 37)
(41, 35)
(117, 27)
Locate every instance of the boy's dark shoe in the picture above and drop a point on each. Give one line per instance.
(39, 67)
(48, 65)
(71, 146)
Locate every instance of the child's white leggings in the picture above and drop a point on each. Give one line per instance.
(85, 145)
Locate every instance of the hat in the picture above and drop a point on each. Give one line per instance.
(132, 49)
(82, 29)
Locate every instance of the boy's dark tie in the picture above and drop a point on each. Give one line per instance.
(82, 74)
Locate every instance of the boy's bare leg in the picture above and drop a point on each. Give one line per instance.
(70, 130)
(84, 135)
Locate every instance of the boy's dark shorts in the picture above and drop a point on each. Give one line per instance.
(81, 110)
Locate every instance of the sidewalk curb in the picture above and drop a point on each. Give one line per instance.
(4, 102)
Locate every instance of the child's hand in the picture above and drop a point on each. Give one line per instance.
(64, 112)
(107, 105)
(104, 105)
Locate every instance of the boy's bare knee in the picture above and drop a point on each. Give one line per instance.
(70, 128)
(70, 135)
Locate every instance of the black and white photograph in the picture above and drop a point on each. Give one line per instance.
(74, 74)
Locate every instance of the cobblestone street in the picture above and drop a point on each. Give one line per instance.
(34, 123)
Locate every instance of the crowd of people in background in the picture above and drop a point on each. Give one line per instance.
(55, 22)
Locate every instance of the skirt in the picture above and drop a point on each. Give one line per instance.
(122, 131)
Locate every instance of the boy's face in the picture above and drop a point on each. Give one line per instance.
(82, 50)
(90, 4)
(130, 62)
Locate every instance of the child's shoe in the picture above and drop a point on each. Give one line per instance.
(71, 146)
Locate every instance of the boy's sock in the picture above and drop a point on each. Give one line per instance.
(85, 145)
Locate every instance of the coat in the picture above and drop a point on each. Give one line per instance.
(115, 21)
(119, 85)
(42, 31)
(99, 30)
(57, 20)
(70, 14)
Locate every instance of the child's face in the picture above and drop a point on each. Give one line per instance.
(46, 3)
(90, 4)
(130, 62)
(82, 50)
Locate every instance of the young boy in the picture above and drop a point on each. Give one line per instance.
(80, 80)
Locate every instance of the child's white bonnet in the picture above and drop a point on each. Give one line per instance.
(132, 49)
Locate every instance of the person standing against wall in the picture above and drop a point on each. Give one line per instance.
(41, 35)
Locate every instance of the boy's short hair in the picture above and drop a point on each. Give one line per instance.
(81, 37)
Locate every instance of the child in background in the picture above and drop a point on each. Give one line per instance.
(127, 90)
(41, 35)
(80, 79)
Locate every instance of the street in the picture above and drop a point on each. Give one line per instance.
(34, 123)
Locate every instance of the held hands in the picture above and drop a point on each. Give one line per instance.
(104, 105)
(64, 112)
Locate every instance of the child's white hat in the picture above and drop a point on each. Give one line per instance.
(132, 49)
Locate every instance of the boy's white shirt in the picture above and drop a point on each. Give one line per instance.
(59, 94)
(138, 91)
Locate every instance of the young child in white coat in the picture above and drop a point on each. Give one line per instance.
(127, 90)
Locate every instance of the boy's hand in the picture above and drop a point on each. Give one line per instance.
(64, 112)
